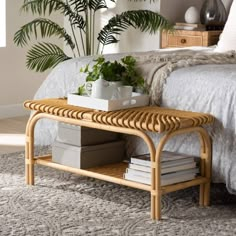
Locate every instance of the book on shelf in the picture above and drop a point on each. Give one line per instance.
(164, 170)
(175, 168)
(168, 159)
(170, 175)
(167, 179)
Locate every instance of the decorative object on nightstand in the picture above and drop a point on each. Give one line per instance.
(188, 38)
(213, 14)
(192, 15)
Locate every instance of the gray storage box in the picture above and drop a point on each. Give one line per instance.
(88, 156)
(83, 136)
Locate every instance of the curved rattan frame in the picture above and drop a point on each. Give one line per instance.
(155, 189)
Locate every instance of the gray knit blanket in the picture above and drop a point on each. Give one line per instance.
(156, 67)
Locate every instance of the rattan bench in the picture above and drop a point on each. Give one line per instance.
(135, 121)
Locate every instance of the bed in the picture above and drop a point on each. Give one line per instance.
(203, 88)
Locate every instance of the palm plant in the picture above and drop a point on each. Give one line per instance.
(81, 15)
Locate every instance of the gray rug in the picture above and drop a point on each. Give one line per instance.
(65, 204)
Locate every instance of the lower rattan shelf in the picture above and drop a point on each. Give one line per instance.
(114, 173)
(111, 173)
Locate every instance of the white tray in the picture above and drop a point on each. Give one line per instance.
(137, 100)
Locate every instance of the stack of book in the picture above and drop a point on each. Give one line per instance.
(188, 26)
(175, 168)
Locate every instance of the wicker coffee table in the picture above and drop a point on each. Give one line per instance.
(134, 121)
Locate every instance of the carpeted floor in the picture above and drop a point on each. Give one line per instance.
(65, 204)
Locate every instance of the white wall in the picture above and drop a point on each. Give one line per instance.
(16, 82)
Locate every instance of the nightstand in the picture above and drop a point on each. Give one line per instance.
(188, 38)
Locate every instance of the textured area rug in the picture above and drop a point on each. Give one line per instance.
(65, 204)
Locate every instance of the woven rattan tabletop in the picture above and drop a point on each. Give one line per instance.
(148, 118)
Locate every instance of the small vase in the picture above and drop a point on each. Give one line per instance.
(213, 13)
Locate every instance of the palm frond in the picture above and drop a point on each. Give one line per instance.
(46, 27)
(74, 17)
(44, 56)
(144, 20)
(97, 4)
(142, 0)
(79, 5)
(78, 21)
(82, 5)
(41, 7)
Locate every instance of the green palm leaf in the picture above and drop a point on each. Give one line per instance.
(98, 4)
(44, 56)
(144, 20)
(79, 5)
(74, 17)
(42, 6)
(142, 0)
(47, 28)
(82, 5)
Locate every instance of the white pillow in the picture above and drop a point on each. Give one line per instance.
(227, 40)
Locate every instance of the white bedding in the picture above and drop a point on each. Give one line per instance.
(204, 88)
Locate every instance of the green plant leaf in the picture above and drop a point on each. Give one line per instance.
(81, 90)
(42, 7)
(144, 20)
(124, 71)
(79, 5)
(97, 4)
(82, 5)
(44, 56)
(81, 15)
(47, 28)
(142, 0)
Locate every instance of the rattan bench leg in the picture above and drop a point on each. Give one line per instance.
(201, 194)
(155, 195)
(207, 194)
(27, 159)
(158, 206)
(205, 163)
(29, 151)
(206, 166)
(29, 164)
